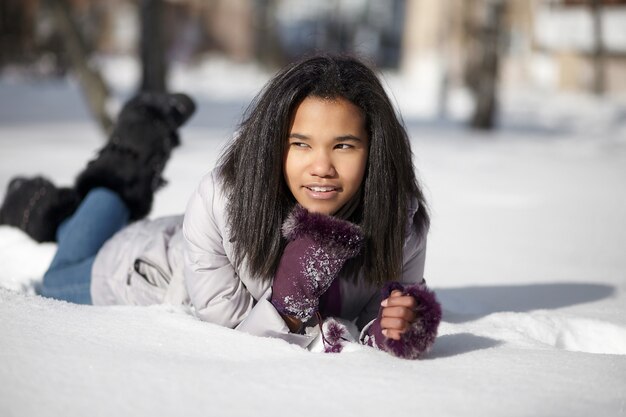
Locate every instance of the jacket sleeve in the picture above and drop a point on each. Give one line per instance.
(215, 289)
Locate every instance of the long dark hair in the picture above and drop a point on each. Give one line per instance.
(258, 198)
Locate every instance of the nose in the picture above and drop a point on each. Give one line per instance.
(322, 165)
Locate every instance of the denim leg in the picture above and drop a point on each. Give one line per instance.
(71, 282)
(100, 215)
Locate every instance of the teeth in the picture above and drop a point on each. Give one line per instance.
(321, 189)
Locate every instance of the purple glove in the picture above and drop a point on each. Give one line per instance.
(318, 247)
(420, 336)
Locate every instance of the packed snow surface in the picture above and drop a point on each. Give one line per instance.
(526, 253)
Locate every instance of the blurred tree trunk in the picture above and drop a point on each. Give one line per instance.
(16, 30)
(484, 66)
(154, 67)
(91, 81)
(268, 50)
(599, 67)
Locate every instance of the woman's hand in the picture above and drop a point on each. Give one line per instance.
(407, 322)
(317, 248)
(294, 323)
(398, 312)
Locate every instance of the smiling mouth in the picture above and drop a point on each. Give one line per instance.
(318, 189)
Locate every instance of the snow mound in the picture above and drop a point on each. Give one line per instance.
(576, 334)
(23, 261)
(547, 329)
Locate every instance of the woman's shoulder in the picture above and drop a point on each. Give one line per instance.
(209, 193)
(412, 212)
(414, 238)
(414, 205)
(211, 183)
(206, 209)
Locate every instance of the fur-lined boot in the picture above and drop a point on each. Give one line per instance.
(37, 207)
(132, 161)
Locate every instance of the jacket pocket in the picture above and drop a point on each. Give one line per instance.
(152, 273)
(146, 282)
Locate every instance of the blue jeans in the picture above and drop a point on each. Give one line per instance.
(100, 215)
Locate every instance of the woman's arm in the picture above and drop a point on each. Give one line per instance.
(408, 316)
(214, 288)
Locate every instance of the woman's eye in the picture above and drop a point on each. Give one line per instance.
(298, 144)
(343, 146)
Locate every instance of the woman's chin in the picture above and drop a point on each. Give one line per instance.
(321, 208)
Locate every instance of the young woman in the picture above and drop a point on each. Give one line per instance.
(312, 228)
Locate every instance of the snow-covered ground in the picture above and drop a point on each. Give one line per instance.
(526, 253)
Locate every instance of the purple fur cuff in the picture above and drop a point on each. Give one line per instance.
(421, 335)
(336, 234)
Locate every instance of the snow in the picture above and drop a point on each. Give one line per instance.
(572, 27)
(526, 253)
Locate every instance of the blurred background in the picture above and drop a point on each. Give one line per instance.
(458, 58)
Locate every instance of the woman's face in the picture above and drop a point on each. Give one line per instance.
(326, 155)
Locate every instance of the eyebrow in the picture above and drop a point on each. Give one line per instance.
(342, 138)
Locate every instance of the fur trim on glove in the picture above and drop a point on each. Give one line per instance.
(422, 334)
(419, 338)
(340, 236)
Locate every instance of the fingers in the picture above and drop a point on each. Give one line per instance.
(398, 312)
(395, 321)
(392, 334)
(395, 324)
(396, 299)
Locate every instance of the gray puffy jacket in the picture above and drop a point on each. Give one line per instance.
(169, 260)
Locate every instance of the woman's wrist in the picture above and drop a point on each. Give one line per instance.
(293, 323)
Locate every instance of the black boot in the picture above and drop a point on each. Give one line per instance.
(37, 207)
(132, 161)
